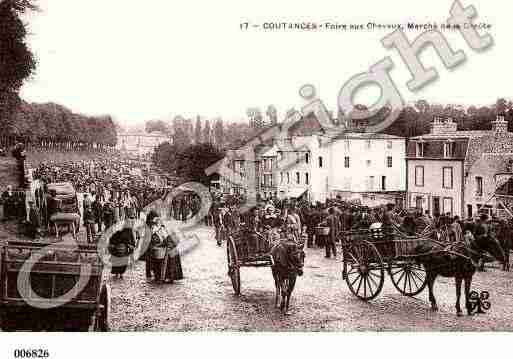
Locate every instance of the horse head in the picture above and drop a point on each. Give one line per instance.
(296, 259)
(490, 245)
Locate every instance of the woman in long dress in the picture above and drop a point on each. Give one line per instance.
(121, 245)
(166, 264)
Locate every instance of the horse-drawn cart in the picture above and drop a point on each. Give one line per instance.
(241, 252)
(369, 253)
(59, 286)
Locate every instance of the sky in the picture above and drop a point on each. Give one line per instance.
(155, 59)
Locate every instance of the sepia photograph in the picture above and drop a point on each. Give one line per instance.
(236, 169)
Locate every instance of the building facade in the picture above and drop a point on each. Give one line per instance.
(310, 162)
(459, 172)
(140, 143)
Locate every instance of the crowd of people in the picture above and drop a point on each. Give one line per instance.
(107, 192)
(321, 224)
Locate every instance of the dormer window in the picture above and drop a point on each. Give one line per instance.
(449, 149)
(420, 149)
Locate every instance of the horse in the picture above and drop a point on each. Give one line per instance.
(456, 260)
(288, 262)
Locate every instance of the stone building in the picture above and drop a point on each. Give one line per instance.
(460, 172)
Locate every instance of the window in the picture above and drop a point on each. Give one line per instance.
(371, 183)
(320, 161)
(420, 149)
(389, 161)
(307, 179)
(448, 149)
(368, 144)
(346, 145)
(419, 176)
(368, 162)
(298, 158)
(447, 177)
(418, 202)
(307, 157)
(389, 145)
(479, 186)
(447, 205)
(346, 162)
(298, 178)
(383, 183)
(281, 177)
(288, 177)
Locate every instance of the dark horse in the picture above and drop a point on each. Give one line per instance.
(289, 259)
(457, 260)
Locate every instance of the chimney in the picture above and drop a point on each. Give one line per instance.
(439, 126)
(500, 125)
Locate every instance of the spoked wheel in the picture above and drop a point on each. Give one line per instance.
(102, 317)
(409, 278)
(233, 265)
(363, 270)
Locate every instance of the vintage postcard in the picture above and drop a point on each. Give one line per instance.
(183, 168)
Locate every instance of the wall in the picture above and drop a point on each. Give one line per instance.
(433, 184)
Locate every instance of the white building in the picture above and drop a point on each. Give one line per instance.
(140, 143)
(315, 163)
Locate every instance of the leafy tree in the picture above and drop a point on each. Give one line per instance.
(219, 132)
(197, 130)
(207, 132)
(17, 63)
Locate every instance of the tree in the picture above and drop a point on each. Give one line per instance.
(207, 132)
(188, 162)
(197, 131)
(272, 115)
(17, 63)
(219, 132)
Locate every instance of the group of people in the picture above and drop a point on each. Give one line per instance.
(108, 191)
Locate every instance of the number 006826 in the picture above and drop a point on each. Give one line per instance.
(31, 353)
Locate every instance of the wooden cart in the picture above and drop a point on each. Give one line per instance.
(240, 252)
(53, 270)
(368, 254)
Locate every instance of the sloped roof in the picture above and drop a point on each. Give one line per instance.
(491, 143)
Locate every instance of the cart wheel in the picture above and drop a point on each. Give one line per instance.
(233, 265)
(102, 320)
(363, 270)
(409, 278)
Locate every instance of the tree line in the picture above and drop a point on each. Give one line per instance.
(51, 125)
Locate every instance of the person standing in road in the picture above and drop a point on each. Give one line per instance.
(334, 226)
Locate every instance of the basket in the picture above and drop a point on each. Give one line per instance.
(322, 231)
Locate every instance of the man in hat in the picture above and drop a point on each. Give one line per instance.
(482, 232)
(334, 225)
(34, 223)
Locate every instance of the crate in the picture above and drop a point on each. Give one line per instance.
(406, 247)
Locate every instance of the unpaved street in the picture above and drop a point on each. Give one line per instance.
(204, 300)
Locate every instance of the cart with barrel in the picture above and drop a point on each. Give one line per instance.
(370, 253)
(53, 286)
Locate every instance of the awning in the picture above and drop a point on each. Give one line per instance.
(296, 192)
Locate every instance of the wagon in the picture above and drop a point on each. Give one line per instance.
(368, 254)
(38, 287)
(240, 252)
